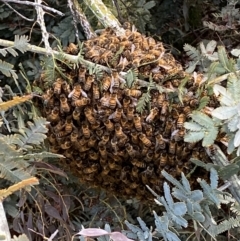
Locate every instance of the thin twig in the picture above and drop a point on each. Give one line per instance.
(81, 17)
(27, 19)
(34, 4)
(70, 5)
(41, 22)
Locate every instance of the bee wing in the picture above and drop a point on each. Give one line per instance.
(71, 93)
(84, 94)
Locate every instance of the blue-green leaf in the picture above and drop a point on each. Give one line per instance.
(225, 112)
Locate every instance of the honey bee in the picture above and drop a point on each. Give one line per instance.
(124, 121)
(131, 152)
(64, 106)
(57, 86)
(133, 93)
(92, 141)
(66, 144)
(102, 151)
(160, 142)
(105, 170)
(116, 115)
(81, 102)
(151, 42)
(114, 145)
(86, 131)
(74, 135)
(59, 126)
(92, 169)
(148, 130)
(145, 175)
(93, 52)
(113, 165)
(187, 110)
(105, 138)
(52, 139)
(172, 147)
(90, 115)
(123, 62)
(163, 159)
(81, 74)
(105, 56)
(61, 134)
(137, 122)
(148, 58)
(126, 102)
(190, 145)
(164, 109)
(113, 101)
(137, 163)
(179, 148)
(88, 83)
(171, 160)
(136, 61)
(96, 91)
(72, 48)
(156, 52)
(168, 128)
(185, 152)
(134, 137)
(130, 112)
(181, 119)
(106, 82)
(55, 149)
(149, 157)
(76, 113)
(99, 132)
(90, 177)
(144, 140)
(48, 98)
(152, 115)
(161, 98)
(68, 125)
(135, 171)
(195, 154)
(118, 131)
(133, 185)
(193, 103)
(105, 100)
(54, 116)
(76, 92)
(157, 154)
(66, 88)
(144, 150)
(109, 125)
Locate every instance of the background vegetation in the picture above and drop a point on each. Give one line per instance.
(60, 205)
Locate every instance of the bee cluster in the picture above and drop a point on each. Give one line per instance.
(95, 125)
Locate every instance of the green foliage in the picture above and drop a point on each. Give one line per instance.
(202, 127)
(195, 205)
(145, 99)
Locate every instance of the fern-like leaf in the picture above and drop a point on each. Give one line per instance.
(192, 52)
(4, 106)
(131, 77)
(224, 226)
(233, 86)
(33, 135)
(143, 101)
(21, 43)
(7, 69)
(203, 102)
(10, 169)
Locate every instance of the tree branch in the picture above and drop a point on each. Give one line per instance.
(34, 4)
(104, 15)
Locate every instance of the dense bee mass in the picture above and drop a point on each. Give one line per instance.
(95, 124)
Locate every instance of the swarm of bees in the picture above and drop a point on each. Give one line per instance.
(95, 125)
